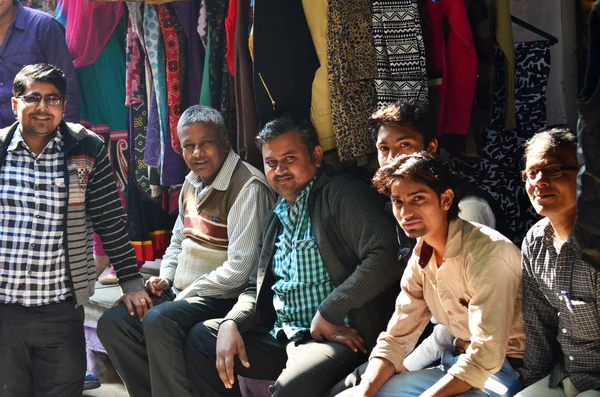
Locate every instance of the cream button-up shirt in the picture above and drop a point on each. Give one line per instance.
(475, 293)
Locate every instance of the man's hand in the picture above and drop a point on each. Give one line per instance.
(378, 371)
(321, 329)
(462, 345)
(138, 300)
(156, 285)
(230, 344)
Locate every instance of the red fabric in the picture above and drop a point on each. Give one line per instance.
(89, 26)
(230, 22)
(456, 59)
(171, 32)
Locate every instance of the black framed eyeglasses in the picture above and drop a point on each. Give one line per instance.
(553, 171)
(33, 99)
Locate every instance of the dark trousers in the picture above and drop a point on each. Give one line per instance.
(149, 355)
(304, 369)
(42, 350)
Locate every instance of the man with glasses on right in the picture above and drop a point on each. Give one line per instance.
(561, 294)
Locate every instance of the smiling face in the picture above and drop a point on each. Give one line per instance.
(551, 197)
(418, 209)
(203, 150)
(394, 139)
(289, 166)
(38, 121)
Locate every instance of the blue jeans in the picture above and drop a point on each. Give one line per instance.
(504, 383)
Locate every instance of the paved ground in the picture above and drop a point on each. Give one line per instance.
(108, 390)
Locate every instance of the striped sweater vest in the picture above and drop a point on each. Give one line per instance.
(205, 237)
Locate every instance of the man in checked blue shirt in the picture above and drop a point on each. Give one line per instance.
(321, 290)
(561, 293)
(56, 187)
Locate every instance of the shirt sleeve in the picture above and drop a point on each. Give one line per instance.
(168, 265)
(475, 209)
(541, 326)
(242, 253)
(430, 349)
(491, 314)
(56, 52)
(408, 321)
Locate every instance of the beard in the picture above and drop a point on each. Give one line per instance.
(416, 233)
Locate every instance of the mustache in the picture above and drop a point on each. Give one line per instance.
(280, 177)
(37, 114)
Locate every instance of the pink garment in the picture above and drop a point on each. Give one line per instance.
(89, 26)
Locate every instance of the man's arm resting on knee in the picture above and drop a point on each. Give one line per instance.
(377, 373)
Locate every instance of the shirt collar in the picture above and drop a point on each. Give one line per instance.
(20, 22)
(453, 244)
(223, 178)
(283, 204)
(18, 139)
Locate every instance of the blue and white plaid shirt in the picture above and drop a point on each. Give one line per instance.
(301, 279)
(33, 197)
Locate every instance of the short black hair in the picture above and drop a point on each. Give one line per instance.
(39, 72)
(409, 113)
(423, 167)
(554, 138)
(286, 123)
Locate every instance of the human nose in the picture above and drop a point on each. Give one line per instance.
(280, 168)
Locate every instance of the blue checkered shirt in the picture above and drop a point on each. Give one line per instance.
(301, 280)
(563, 335)
(33, 197)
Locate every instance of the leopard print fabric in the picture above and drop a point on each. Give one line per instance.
(498, 169)
(352, 73)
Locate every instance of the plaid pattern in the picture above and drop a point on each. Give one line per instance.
(562, 339)
(301, 280)
(33, 195)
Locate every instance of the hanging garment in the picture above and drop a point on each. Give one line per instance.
(587, 222)
(352, 74)
(133, 73)
(187, 12)
(155, 53)
(89, 27)
(247, 119)
(152, 150)
(202, 23)
(174, 40)
(498, 169)
(504, 37)
(451, 64)
(285, 60)
(401, 62)
(320, 102)
(230, 25)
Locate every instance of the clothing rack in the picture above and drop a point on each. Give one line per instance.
(552, 39)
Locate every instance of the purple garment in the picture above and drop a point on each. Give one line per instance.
(173, 167)
(187, 11)
(152, 153)
(35, 37)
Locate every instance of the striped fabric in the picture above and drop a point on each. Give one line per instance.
(32, 199)
(302, 281)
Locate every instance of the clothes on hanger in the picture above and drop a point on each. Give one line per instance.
(400, 52)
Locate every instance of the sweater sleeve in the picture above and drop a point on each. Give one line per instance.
(106, 212)
(365, 229)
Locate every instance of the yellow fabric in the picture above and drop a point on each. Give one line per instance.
(320, 109)
(504, 37)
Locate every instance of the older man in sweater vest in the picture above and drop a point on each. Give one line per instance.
(222, 206)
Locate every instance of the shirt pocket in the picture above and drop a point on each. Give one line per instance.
(23, 59)
(584, 322)
(310, 266)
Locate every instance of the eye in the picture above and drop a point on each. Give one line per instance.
(553, 171)
(271, 163)
(383, 148)
(419, 198)
(206, 141)
(290, 159)
(396, 201)
(404, 144)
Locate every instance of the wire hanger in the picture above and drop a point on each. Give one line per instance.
(552, 39)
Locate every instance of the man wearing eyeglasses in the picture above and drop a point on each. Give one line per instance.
(28, 37)
(561, 294)
(56, 187)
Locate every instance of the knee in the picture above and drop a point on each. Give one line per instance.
(109, 324)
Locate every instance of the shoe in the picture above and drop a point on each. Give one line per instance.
(110, 278)
(91, 382)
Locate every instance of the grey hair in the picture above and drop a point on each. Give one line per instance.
(554, 138)
(281, 125)
(203, 114)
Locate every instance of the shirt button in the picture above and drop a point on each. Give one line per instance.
(449, 313)
(559, 313)
(3, 105)
(32, 246)
(1, 84)
(571, 358)
(29, 272)
(37, 187)
(37, 216)
(564, 330)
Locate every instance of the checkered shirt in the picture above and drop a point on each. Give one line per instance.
(563, 338)
(302, 281)
(33, 198)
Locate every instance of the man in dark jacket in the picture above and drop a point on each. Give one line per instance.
(56, 188)
(320, 292)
